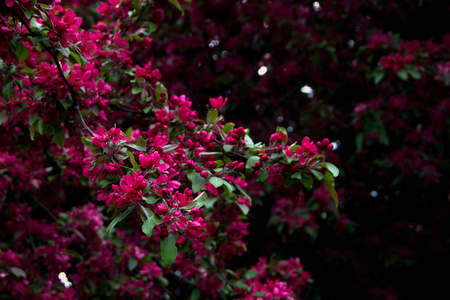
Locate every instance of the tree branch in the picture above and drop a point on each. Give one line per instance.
(75, 104)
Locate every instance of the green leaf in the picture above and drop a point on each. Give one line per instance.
(307, 181)
(245, 209)
(216, 181)
(136, 90)
(133, 162)
(244, 193)
(118, 219)
(169, 249)
(66, 102)
(228, 127)
(250, 162)
(252, 273)
(297, 175)
(414, 73)
(160, 88)
(228, 188)
(32, 131)
(77, 59)
(212, 116)
(330, 186)
(147, 227)
(198, 182)
(200, 200)
(27, 13)
(402, 74)
(195, 295)
(318, 175)
(37, 39)
(177, 5)
(18, 272)
(8, 89)
(141, 142)
(60, 136)
(132, 263)
(378, 77)
(22, 52)
(227, 148)
(35, 25)
(263, 176)
(333, 169)
(64, 51)
(359, 139)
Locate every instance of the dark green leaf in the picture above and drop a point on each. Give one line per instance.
(242, 191)
(263, 176)
(169, 249)
(37, 39)
(60, 136)
(307, 181)
(27, 13)
(252, 273)
(414, 73)
(118, 219)
(8, 89)
(22, 52)
(402, 74)
(378, 77)
(330, 186)
(297, 175)
(133, 162)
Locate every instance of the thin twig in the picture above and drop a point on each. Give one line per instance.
(137, 20)
(30, 237)
(219, 273)
(52, 216)
(75, 104)
(129, 110)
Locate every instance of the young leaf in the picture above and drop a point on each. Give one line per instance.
(22, 52)
(60, 136)
(212, 116)
(169, 249)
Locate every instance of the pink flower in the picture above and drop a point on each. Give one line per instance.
(218, 102)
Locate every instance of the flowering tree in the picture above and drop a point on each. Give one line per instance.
(91, 133)
(371, 75)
